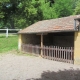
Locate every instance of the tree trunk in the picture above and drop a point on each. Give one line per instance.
(12, 24)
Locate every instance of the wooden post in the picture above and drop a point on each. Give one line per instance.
(41, 44)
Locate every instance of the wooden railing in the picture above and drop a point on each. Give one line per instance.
(31, 49)
(63, 54)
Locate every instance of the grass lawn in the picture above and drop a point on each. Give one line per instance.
(8, 44)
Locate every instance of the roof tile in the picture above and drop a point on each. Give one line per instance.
(59, 24)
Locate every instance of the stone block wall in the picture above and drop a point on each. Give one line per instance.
(77, 48)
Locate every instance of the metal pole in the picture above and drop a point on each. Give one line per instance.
(74, 24)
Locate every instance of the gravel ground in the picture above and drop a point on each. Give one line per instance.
(15, 67)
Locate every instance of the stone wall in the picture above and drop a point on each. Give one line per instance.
(77, 48)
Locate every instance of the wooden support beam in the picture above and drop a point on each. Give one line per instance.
(20, 42)
(41, 44)
(43, 34)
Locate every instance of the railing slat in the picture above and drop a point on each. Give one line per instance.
(54, 52)
(58, 53)
(64, 54)
(47, 52)
(51, 52)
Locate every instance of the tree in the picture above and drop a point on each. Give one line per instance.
(19, 13)
(77, 9)
(22, 13)
(57, 8)
(48, 11)
(63, 7)
(50, 2)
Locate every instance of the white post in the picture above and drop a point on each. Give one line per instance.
(20, 29)
(6, 32)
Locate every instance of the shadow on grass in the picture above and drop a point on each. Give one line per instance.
(60, 75)
(2, 36)
(5, 36)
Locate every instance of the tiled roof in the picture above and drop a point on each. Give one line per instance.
(52, 25)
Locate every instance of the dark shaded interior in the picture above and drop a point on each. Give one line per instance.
(62, 39)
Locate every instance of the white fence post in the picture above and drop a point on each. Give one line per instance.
(6, 32)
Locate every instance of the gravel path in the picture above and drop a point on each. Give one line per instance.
(15, 67)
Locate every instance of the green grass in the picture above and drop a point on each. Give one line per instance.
(8, 44)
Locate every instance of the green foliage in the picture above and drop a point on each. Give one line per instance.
(22, 13)
(19, 23)
(63, 7)
(58, 8)
(77, 9)
(48, 12)
(1, 24)
(7, 44)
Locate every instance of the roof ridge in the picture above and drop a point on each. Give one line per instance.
(60, 18)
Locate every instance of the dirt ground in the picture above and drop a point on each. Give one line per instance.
(17, 67)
